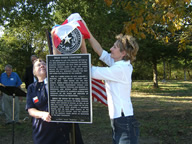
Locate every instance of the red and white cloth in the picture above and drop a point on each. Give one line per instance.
(61, 31)
(72, 22)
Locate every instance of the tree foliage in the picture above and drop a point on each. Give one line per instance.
(147, 16)
(25, 23)
(160, 25)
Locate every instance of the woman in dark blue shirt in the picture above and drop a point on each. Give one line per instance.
(44, 131)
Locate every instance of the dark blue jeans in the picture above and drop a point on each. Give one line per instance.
(125, 130)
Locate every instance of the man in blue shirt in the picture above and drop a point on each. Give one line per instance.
(9, 78)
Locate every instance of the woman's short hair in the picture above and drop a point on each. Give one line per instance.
(37, 60)
(128, 43)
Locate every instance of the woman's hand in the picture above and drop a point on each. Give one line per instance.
(55, 50)
(46, 116)
(39, 114)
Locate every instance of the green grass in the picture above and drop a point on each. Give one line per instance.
(165, 115)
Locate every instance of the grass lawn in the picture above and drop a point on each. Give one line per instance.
(165, 115)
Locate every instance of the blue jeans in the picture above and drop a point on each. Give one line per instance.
(125, 130)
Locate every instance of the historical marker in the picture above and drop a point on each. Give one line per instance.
(69, 86)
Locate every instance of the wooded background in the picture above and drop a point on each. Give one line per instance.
(162, 27)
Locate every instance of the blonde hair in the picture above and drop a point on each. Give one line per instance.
(128, 44)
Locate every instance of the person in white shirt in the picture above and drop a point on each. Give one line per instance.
(118, 86)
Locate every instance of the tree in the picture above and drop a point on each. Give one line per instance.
(168, 21)
(174, 16)
(12, 54)
(25, 23)
(185, 59)
(153, 52)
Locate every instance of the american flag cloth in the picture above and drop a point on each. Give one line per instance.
(98, 91)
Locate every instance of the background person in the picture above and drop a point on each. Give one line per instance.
(9, 78)
(118, 86)
(29, 77)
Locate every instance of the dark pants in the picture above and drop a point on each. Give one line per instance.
(125, 130)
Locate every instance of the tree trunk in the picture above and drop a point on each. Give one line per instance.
(155, 81)
(185, 77)
(189, 73)
(164, 71)
(169, 70)
(185, 67)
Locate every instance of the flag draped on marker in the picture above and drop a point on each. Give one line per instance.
(77, 18)
(72, 22)
(98, 91)
(62, 31)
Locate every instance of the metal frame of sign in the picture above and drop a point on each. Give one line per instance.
(69, 88)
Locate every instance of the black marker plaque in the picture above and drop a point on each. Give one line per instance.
(69, 85)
